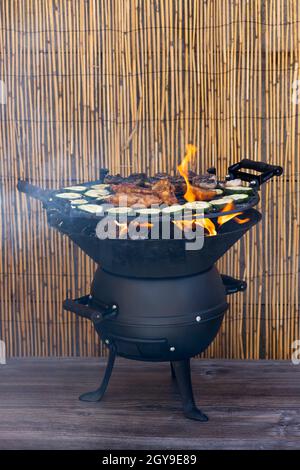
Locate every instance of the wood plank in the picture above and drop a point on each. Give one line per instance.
(251, 405)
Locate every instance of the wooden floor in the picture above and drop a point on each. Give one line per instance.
(251, 405)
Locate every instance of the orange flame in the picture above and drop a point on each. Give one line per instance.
(208, 225)
(183, 170)
(189, 224)
(222, 219)
(241, 221)
(123, 228)
(225, 218)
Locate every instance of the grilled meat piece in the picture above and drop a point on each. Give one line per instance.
(203, 194)
(179, 185)
(206, 181)
(166, 191)
(162, 176)
(148, 201)
(233, 183)
(128, 194)
(113, 179)
(123, 199)
(134, 199)
(130, 188)
(136, 178)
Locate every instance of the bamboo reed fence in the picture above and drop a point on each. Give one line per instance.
(126, 84)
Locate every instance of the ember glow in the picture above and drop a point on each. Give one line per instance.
(184, 171)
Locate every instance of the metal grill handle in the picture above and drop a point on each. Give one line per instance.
(33, 191)
(232, 285)
(82, 308)
(266, 171)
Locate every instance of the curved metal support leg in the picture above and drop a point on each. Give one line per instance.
(183, 376)
(172, 372)
(97, 395)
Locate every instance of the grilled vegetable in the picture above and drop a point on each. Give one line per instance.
(238, 198)
(198, 205)
(206, 181)
(76, 188)
(96, 193)
(92, 208)
(120, 211)
(219, 204)
(78, 202)
(69, 196)
(100, 187)
(148, 211)
(172, 209)
(219, 192)
(239, 190)
(103, 198)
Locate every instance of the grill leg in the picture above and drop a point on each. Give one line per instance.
(183, 376)
(172, 371)
(97, 395)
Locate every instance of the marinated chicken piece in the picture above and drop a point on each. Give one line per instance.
(151, 200)
(206, 181)
(123, 199)
(203, 194)
(130, 188)
(136, 178)
(179, 185)
(162, 176)
(233, 183)
(165, 191)
(113, 179)
(134, 199)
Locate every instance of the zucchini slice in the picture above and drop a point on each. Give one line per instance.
(148, 211)
(239, 190)
(172, 209)
(219, 191)
(120, 211)
(100, 187)
(219, 204)
(78, 202)
(238, 198)
(76, 188)
(198, 205)
(91, 208)
(96, 193)
(69, 196)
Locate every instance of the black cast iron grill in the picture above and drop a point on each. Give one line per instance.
(153, 300)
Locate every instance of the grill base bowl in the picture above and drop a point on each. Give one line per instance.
(161, 319)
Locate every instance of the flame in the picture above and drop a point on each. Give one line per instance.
(183, 170)
(123, 228)
(241, 221)
(208, 225)
(182, 224)
(222, 219)
(189, 224)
